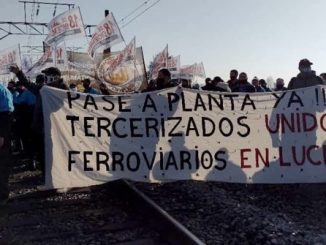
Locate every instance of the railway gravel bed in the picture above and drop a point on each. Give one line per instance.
(224, 213)
(217, 213)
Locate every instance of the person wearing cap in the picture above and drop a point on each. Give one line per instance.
(53, 78)
(306, 78)
(6, 109)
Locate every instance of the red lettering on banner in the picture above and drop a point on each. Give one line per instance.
(243, 158)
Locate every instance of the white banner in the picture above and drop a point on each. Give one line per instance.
(65, 26)
(9, 57)
(107, 34)
(179, 134)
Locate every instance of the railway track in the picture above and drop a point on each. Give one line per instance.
(113, 213)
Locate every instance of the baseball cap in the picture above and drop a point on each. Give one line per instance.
(305, 62)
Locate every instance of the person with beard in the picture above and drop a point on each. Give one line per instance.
(306, 78)
(233, 78)
(163, 79)
(242, 85)
(279, 85)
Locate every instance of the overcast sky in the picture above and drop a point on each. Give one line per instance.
(262, 38)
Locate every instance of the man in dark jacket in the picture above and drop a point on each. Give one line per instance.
(306, 77)
(243, 85)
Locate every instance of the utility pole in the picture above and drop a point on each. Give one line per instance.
(107, 51)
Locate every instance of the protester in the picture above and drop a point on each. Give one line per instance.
(243, 85)
(233, 79)
(88, 89)
(219, 85)
(208, 84)
(24, 109)
(263, 84)
(6, 109)
(73, 87)
(185, 83)
(104, 89)
(323, 77)
(163, 79)
(255, 83)
(279, 86)
(50, 77)
(12, 88)
(306, 78)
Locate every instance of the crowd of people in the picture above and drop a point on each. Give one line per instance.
(21, 118)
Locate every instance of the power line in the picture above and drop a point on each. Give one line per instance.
(135, 10)
(141, 13)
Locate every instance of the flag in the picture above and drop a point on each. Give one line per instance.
(8, 57)
(159, 62)
(67, 25)
(106, 34)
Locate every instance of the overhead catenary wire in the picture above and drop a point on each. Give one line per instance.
(141, 13)
(134, 11)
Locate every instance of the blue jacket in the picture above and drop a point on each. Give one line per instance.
(6, 100)
(26, 98)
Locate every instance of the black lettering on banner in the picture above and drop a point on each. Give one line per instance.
(103, 126)
(219, 104)
(248, 101)
(70, 159)
(243, 125)
(114, 127)
(149, 164)
(220, 159)
(183, 102)
(86, 160)
(279, 98)
(89, 100)
(231, 96)
(134, 127)
(117, 158)
(137, 158)
(107, 99)
(104, 161)
(172, 98)
(199, 103)
(151, 123)
(122, 103)
(192, 127)
(206, 156)
(171, 161)
(149, 103)
(171, 133)
(205, 126)
(70, 98)
(185, 157)
(72, 119)
(295, 99)
(88, 126)
(220, 126)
